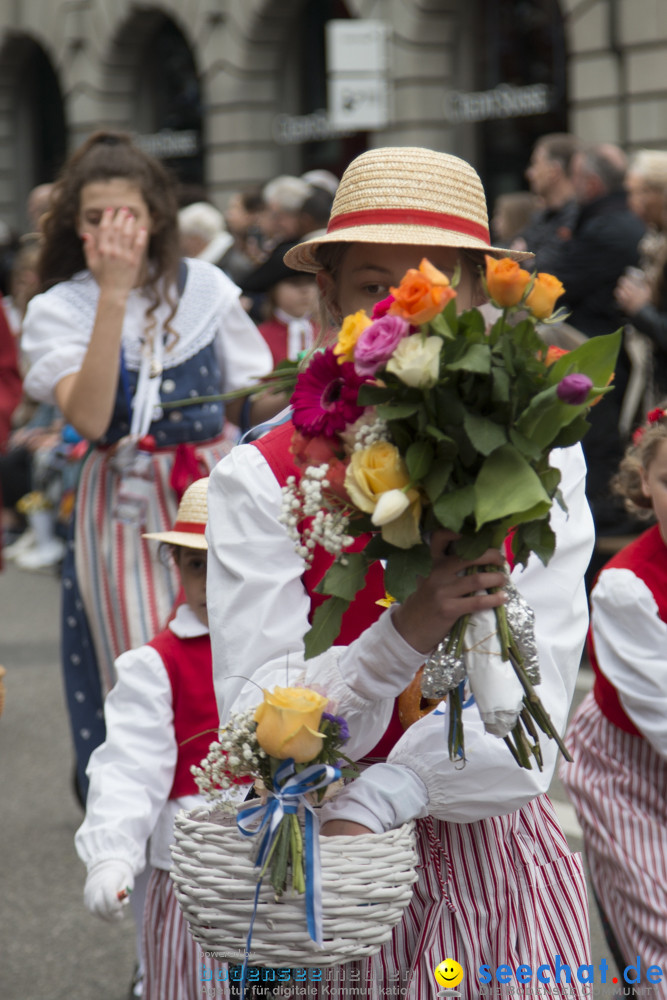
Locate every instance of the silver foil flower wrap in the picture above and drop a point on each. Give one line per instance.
(443, 672)
(521, 621)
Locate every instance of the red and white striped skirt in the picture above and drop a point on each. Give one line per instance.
(502, 891)
(618, 785)
(176, 966)
(127, 591)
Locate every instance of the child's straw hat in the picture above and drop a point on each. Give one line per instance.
(406, 195)
(190, 521)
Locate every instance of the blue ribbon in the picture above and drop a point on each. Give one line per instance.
(291, 789)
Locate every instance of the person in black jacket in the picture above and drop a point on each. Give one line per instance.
(603, 244)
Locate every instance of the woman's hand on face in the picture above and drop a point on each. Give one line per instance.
(342, 828)
(448, 592)
(116, 253)
(632, 295)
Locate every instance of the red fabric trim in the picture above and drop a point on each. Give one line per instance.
(189, 666)
(409, 217)
(275, 447)
(190, 527)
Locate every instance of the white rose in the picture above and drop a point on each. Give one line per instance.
(390, 505)
(417, 361)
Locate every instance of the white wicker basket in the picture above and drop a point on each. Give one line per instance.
(366, 885)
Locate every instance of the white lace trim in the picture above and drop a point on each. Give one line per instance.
(208, 292)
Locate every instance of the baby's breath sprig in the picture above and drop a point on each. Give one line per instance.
(236, 754)
(308, 498)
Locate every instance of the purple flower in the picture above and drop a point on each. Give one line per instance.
(377, 343)
(338, 720)
(574, 389)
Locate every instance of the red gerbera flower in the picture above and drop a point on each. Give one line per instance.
(325, 398)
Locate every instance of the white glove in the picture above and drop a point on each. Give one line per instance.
(105, 880)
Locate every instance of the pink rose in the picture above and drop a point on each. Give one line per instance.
(377, 343)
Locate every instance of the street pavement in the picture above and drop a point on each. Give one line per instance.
(50, 947)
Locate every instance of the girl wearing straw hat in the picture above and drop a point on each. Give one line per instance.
(498, 884)
(160, 717)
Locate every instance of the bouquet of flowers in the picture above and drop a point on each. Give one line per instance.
(291, 746)
(420, 418)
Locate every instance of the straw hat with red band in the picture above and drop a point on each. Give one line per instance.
(190, 523)
(406, 195)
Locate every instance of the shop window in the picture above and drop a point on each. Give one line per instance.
(521, 81)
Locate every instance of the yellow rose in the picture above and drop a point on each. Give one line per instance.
(352, 328)
(373, 471)
(405, 531)
(542, 297)
(288, 723)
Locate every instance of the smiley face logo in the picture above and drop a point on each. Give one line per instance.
(448, 974)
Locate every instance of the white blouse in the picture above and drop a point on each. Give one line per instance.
(132, 772)
(631, 646)
(258, 612)
(59, 323)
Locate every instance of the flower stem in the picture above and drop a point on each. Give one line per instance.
(298, 876)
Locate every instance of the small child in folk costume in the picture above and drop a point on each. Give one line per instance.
(161, 717)
(293, 303)
(618, 737)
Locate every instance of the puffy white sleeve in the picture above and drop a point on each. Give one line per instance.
(54, 342)
(630, 643)
(491, 783)
(132, 772)
(258, 612)
(241, 350)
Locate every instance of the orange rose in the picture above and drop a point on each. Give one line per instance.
(542, 297)
(422, 294)
(554, 353)
(505, 280)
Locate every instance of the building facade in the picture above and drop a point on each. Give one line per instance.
(233, 92)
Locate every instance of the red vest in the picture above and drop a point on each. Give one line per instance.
(646, 557)
(363, 611)
(189, 666)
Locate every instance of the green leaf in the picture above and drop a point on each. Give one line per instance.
(505, 486)
(436, 480)
(440, 326)
(403, 567)
(476, 359)
(573, 433)
(500, 392)
(596, 357)
(345, 581)
(545, 417)
(473, 546)
(419, 458)
(483, 434)
(523, 444)
(397, 411)
(451, 509)
(550, 479)
(326, 626)
(371, 394)
(537, 537)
